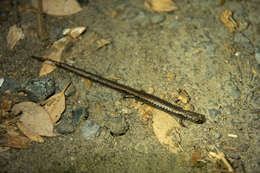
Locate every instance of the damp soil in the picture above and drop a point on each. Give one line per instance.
(219, 70)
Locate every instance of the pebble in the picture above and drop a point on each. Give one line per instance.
(231, 89)
(39, 89)
(234, 156)
(244, 42)
(257, 54)
(218, 135)
(117, 125)
(141, 19)
(65, 126)
(159, 18)
(1, 81)
(256, 102)
(89, 129)
(68, 124)
(213, 113)
(78, 114)
(9, 84)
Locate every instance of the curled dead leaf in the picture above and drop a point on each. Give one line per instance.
(58, 7)
(34, 121)
(228, 21)
(165, 127)
(14, 140)
(101, 43)
(14, 35)
(160, 6)
(55, 105)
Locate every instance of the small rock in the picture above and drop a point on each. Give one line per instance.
(159, 18)
(1, 81)
(65, 126)
(39, 89)
(231, 89)
(243, 147)
(244, 42)
(256, 102)
(234, 156)
(218, 135)
(9, 84)
(213, 113)
(257, 54)
(117, 126)
(78, 114)
(68, 124)
(89, 129)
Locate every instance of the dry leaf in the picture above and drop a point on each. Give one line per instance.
(14, 35)
(55, 54)
(58, 47)
(14, 140)
(88, 83)
(58, 7)
(160, 5)
(101, 43)
(55, 105)
(195, 158)
(34, 119)
(164, 127)
(3, 149)
(74, 32)
(228, 21)
(31, 136)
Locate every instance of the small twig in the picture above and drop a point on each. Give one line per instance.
(41, 26)
(221, 156)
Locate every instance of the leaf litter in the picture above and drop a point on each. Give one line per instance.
(34, 121)
(55, 105)
(56, 50)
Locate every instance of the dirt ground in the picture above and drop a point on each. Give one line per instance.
(218, 69)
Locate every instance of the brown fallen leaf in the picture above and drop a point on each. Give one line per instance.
(3, 149)
(55, 54)
(160, 6)
(14, 140)
(101, 43)
(59, 7)
(58, 47)
(88, 83)
(34, 119)
(228, 21)
(55, 105)
(164, 127)
(31, 136)
(14, 35)
(74, 32)
(195, 158)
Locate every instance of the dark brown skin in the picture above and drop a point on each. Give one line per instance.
(146, 98)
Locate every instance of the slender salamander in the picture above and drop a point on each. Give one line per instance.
(146, 98)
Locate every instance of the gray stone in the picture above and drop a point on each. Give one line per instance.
(9, 84)
(257, 54)
(213, 113)
(159, 18)
(256, 102)
(243, 42)
(231, 89)
(218, 135)
(234, 156)
(78, 114)
(39, 89)
(89, 129)
(65, 126)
